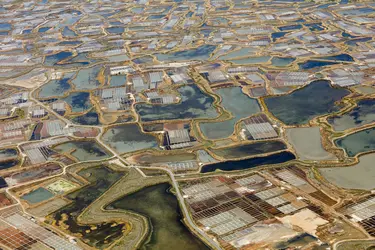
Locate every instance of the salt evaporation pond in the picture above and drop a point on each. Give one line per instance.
(201, 53)
(38, 195)
(56, 88)
(128, 138)
(83, 150)
(86, 79)
(317, 98)
(79, 101)
(248, 150)
(359, 142)
(194, 104)
(361, 115)
(358, 176)
(237, 103)
(249, 163)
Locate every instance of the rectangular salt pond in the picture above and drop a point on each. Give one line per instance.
(38, 195)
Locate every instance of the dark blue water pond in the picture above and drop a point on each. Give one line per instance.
(27, 31)
(5, 26)
(54, 59)
(341, 57)
(277, 35)
(8, 164)
(354, 42)
(315, 26)
(310, 64)
(249, 163)
(291, 27)
(344, 34)
(3, 183)
(90, 118)
(302, 105)
(8, 153)
(115, 30)
(43, 29)
(79, 101)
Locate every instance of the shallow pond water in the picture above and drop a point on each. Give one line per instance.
(83, 150)
(128, 138)
(302, 105)
(115, 30)
(194, 104)
(358, 142)
(56, 87)
(252, 60)
(38, 195)
(358, 176)
(236, 102)
(307, 143)
(281, 61)
(361, 115)
(238, 53)
(67, 32)
(86, 79)
(201, 53)
(90, 118)
(149, 158)
(79, 101)
(162, 209)
(119, 80)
